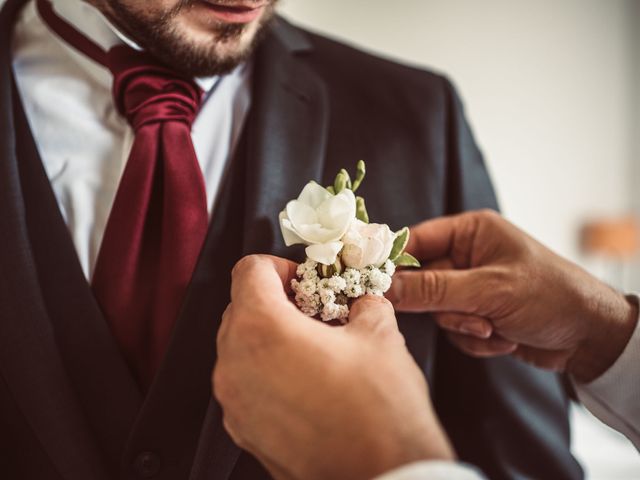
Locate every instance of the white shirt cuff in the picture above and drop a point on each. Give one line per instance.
(432, 470)
(614, 397)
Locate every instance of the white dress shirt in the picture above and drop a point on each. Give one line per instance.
(83, 141)
(614, 397)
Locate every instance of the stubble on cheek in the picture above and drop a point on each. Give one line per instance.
(183, 41)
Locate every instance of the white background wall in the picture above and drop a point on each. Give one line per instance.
(552, 89)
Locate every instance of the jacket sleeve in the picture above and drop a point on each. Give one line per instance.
(507, 418)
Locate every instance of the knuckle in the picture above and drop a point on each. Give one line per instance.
(505, 283)
(246, 264)
(374, 301)
(221, 386)
(433, 287)
(488, 215)
(371, 302)
(467, 344)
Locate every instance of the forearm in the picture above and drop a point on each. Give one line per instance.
(610, 320)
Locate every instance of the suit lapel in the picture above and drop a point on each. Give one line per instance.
(284, 143)
(101, 379)
(29, 360)
(287, 135)
(175, 412)
(284, 138)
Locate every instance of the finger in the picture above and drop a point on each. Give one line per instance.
(437, 238)
(432, 239)
(452, 237)
(372, 313)
(439, 264)
(463, 291)
(555, 360)
(491, 347)
(261, 276)
(470, 325)
(233, 431)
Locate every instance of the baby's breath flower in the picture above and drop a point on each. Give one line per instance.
(389, 268)
(337, 283)
(306, 267)
(353, 288)
(309, 304)
(308, 287)
(327, 296)
(311, 274)
(351, 275)
(332, 311)
(378, 282)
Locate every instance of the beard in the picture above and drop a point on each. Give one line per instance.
(218, 51)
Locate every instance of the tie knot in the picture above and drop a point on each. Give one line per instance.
(146, 92)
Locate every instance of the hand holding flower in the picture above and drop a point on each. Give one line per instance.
(347, 256)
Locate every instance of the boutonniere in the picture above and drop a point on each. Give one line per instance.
(347, 256)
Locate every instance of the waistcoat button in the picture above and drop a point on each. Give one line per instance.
(147, 465)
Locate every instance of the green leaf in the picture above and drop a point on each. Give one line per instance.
(342, 181)
(400, 243)
(407, 260)
(348, 177)
(361, 210)
(331, 190)
(361, 171)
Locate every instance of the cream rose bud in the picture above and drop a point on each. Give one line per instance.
(367, 244)
(318, 219)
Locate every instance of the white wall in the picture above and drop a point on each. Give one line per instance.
(549, 86)
(634, 177)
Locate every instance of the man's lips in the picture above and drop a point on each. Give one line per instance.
(235, 12)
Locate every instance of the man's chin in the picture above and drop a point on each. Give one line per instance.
(196, 46)
(202, 54)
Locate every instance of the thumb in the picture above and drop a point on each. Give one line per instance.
(372, 315)
(463, 291)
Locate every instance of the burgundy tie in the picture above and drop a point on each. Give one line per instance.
(158, 221)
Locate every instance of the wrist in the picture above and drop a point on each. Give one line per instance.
(608, 330)
(426, 443)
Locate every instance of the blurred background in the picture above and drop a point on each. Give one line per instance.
(552, 90)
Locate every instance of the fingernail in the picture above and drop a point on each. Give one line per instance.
(505, 345)
(475, 329)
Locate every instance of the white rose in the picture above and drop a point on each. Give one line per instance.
(318, 219)
(367, 244)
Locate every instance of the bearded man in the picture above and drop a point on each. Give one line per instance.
(146, 146)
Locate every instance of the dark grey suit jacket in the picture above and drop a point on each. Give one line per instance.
(69, 408)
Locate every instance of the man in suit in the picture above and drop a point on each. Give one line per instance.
(121, 218)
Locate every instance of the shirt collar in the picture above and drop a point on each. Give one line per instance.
(89, 21)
